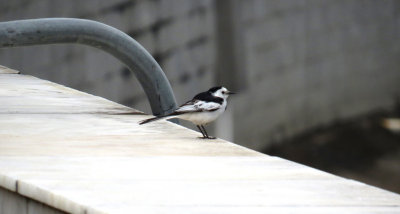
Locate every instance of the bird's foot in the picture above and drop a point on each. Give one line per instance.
(209, 137)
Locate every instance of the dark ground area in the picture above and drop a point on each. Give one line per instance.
(361, 149)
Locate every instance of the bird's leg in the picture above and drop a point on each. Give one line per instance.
(209, 137)
(204, 131)
(204, 136)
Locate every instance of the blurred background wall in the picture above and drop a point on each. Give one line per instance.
(297, 65)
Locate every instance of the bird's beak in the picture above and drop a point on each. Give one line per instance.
(230, 92)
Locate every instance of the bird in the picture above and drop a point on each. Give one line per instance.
(204, 108)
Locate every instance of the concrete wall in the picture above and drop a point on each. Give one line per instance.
(297, 64)
(309, 63)
(179, 34)
(13, 203)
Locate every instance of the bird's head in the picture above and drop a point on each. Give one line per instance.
(220, 91)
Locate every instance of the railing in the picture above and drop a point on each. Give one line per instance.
(101, 36)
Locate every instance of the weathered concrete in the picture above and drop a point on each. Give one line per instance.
(83, 154)
(13, 203)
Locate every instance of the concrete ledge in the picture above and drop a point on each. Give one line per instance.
(11, 202)
(5, 70)
(83, 154)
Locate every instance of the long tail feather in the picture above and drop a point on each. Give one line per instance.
(150, 120)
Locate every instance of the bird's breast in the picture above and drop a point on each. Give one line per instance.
(201, 118)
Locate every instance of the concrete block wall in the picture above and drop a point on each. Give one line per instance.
(310, 63)
(296, 64)
(179, 34)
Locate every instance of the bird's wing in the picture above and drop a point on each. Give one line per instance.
(197, 106)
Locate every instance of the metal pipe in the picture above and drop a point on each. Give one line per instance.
(101, 36)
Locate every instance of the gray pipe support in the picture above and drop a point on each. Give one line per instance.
(101, 36)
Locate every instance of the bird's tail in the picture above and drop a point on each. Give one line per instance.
(168, 116)
(150, 120)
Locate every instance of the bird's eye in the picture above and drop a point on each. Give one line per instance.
(223, 92)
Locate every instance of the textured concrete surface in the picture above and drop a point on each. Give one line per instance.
(312, 63)
(83, 154)
(14, 203)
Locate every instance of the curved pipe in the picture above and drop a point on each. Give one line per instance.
(101, 36)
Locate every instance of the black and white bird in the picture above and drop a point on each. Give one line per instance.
(204, 108)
